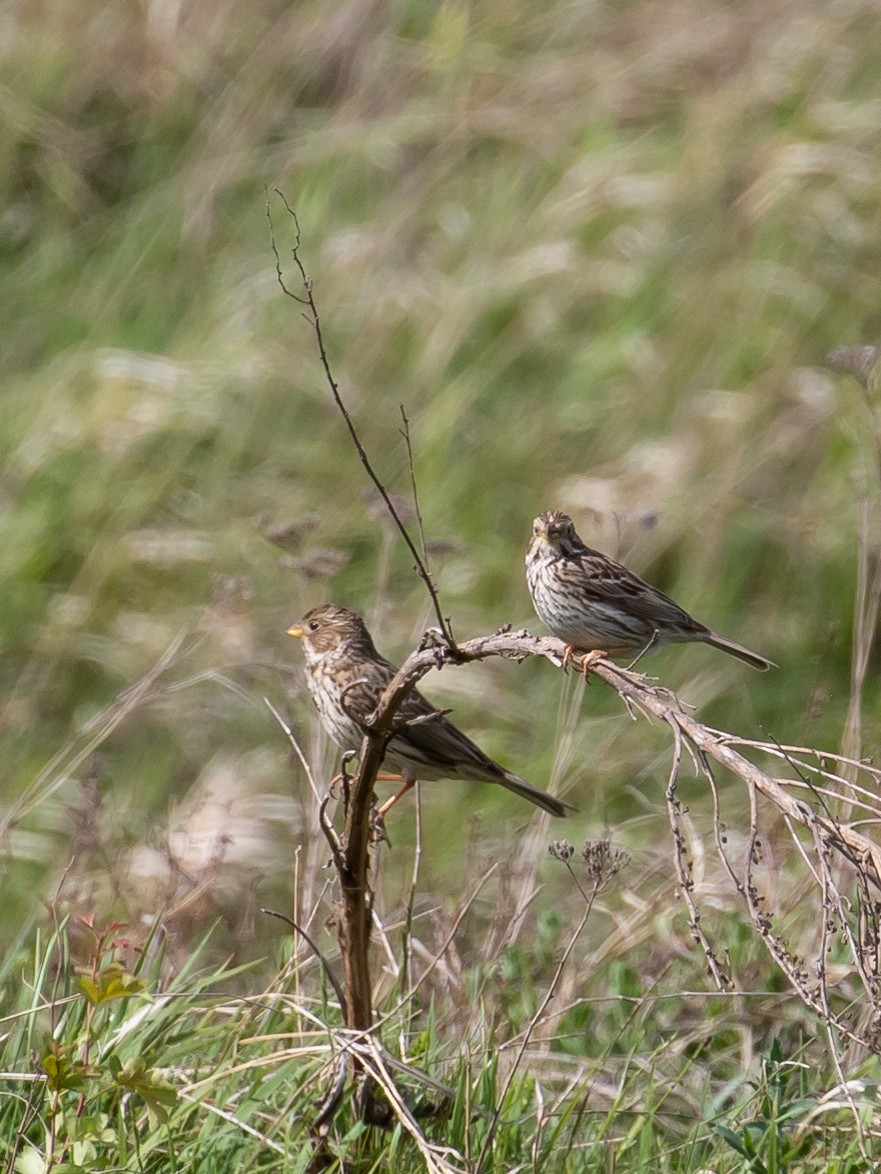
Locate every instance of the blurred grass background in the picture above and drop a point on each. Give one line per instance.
(598, 251)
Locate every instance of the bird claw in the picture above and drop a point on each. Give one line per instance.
(587, 661)
(378, 833)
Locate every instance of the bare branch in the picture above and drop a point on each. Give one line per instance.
(682, 862)
(314, 320)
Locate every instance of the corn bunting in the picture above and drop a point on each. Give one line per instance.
(597, 605)
(346, 676)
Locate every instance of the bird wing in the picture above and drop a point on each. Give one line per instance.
(438, 744)
(432, 742)
(364, 685)
(609, 582)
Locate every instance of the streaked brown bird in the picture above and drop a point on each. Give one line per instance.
(346, 676)
(596, 605)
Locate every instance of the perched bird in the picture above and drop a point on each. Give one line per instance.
(597, 605)
(346, 676)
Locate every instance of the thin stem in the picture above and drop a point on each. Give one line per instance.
(314, 320)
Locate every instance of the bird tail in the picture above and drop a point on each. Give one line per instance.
(751, 658)
(535, 795)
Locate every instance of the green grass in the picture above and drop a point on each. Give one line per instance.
(598, 253)
(107, 1065)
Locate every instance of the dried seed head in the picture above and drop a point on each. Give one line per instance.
(603, 861)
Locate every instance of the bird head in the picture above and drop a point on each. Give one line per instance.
(329, 628)
(553, 532)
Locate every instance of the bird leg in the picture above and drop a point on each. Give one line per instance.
(377, 822)
(386, 807)
(337, 779)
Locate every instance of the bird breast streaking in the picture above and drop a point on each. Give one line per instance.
(596, 605)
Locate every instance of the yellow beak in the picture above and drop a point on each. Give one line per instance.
(296, 631)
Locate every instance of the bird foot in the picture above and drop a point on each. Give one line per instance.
(589, 659)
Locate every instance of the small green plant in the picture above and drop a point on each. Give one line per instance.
(771, 1139)
(85, 1078)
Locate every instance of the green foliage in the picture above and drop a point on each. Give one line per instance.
(599, 253)
(191, 1077)
(775, 1139)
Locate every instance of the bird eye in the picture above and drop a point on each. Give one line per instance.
(313, 625)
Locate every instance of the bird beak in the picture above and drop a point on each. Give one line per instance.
(296, 631)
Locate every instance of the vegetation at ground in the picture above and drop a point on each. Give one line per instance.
(599, 253)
